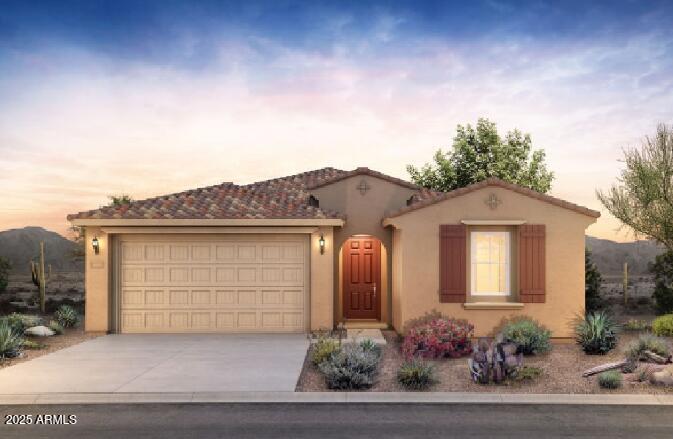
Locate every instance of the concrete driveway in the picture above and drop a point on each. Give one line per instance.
(164, 363)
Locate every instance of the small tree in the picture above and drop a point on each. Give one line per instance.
(479, 153)
(592, 284)
(5, 267)
(643, 198)
(119, 200)
(662, 268)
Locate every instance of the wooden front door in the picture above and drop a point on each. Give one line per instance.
(362, 278)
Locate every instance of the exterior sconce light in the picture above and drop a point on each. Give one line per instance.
(96, 245)
(321, 242)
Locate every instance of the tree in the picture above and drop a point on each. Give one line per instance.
(662, 268)
(5, 266)
(592, 284)
(643, 198)
(119, 200)
(479, 153)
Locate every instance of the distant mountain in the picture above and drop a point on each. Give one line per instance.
(22, 245)
(610, 256)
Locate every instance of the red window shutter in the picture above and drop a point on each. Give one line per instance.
(452, 263)
(532, 263)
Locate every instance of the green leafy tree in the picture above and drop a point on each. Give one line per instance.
(643, 197)
(662, 268)
(119, 200)
(479, 153)
(592, 284)
(5, 266)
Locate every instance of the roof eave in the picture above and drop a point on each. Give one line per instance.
(338, 222)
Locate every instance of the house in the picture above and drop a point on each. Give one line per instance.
(311, 250)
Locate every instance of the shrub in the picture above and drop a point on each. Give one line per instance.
(592, 283)
(528, 373)
(440, 337)
(66, 316)
(29, 344)
(56, 327)
(5, 266)
(416, 375)
(645, 373)
(610, 379)
(663, 325)
(323, 349)
(530, 336)
(350, 368)
(646, 342)
(370, 345)
(596, 332)
(11, 341)
(636, 325)
(20, 322)
(662, 268)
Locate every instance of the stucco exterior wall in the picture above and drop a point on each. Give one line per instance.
(363, 217)
(417, 249)
(96, 281)
(322, 280)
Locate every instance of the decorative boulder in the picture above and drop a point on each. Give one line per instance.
(494, 361)
(39, 331)
(664, 377)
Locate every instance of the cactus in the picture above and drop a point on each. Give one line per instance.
(39, 276)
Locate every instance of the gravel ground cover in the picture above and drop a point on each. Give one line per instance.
(562, 372)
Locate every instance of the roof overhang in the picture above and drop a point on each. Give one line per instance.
(338, 222)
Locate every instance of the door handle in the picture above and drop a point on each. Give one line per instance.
(375, 290)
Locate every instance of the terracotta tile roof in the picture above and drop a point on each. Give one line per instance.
(433, 197)
(284, 197)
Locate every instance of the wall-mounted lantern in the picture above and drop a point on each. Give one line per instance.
(96, 245)
(321, 243)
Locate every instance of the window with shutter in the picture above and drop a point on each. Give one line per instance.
(452, 263)
(532, 263)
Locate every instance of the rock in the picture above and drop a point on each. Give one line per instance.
(39, 331)
(664, 377)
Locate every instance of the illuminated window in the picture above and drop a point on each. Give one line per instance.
(490, 263)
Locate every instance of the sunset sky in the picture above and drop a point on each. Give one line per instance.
(148, 98)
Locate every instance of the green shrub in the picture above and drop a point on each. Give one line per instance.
(662, 268)
(663, 325)
(610, 379)
(528, 373)
(530, 336)
(20, 322)
(592, 284)
(370, 345)
(29, 344)
(646, 342)
(416, 375)
(636, 325)
(66, 316)
(5, 266)
(350, 368)
(56, 327)
(596, 332)
(11, 341)
(323, 349)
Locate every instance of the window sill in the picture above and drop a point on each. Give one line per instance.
(493, 305)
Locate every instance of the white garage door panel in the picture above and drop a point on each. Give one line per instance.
(225, 284)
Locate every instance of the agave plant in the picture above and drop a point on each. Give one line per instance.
(597, 332)
(66, 316)
(11, 341)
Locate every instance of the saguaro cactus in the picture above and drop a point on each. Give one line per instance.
(40, 277)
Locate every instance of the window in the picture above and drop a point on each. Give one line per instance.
(490, 263)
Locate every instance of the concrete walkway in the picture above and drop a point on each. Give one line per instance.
(182, 363)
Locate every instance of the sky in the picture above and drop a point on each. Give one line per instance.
(153, 97)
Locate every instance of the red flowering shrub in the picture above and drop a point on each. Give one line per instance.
(440, 337)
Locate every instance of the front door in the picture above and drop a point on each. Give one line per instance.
(362, 278)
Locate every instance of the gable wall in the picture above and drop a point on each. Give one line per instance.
(364, 214)
(419, 250)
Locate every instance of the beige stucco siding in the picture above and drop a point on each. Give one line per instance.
(364, 213)
(97, 281)
(417, 248)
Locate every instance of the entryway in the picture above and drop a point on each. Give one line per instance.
(361, 282)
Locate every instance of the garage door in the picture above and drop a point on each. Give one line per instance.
(219, 283)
